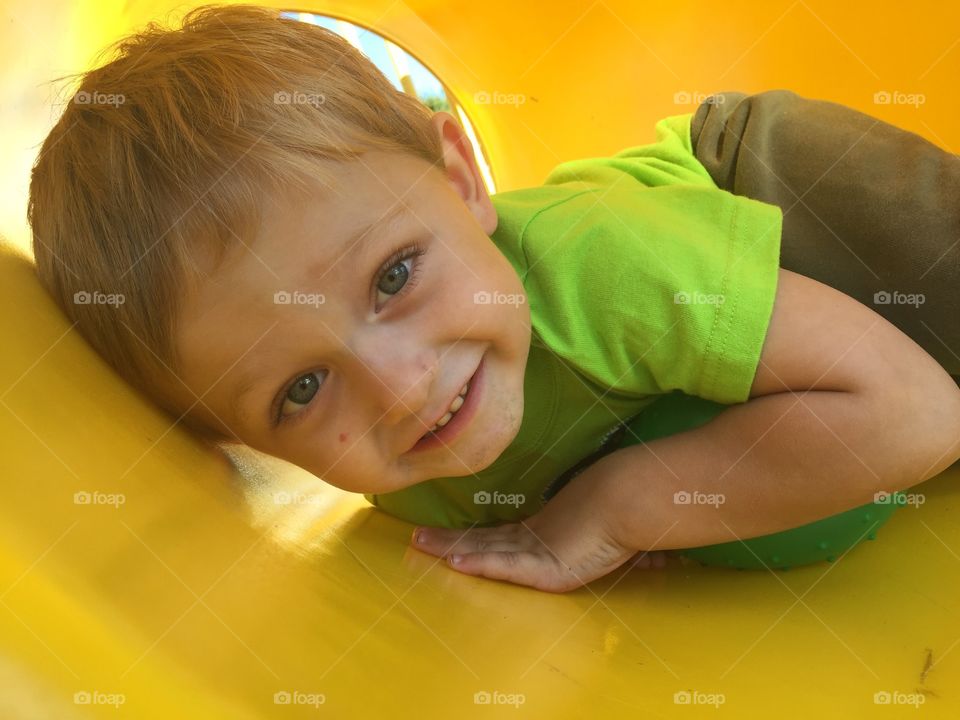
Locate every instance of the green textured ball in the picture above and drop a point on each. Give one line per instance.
(825, 539)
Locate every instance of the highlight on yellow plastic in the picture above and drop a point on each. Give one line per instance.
(145, 575)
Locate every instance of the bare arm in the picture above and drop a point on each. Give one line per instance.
(843, 405)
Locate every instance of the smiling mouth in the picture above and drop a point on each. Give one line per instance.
(452, 410)
(458, 415)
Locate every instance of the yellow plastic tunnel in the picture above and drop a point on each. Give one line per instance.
(185, 592)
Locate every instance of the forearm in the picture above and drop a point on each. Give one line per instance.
(774, 463)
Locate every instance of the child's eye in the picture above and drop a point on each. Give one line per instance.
(300, 393)
(394, 276)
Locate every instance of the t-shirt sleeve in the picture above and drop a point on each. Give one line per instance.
(667, 161)
(647, 278)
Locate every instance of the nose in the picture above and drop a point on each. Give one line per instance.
(399, 380)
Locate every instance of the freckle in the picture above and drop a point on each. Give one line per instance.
(343, 437)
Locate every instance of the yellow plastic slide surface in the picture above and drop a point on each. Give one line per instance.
(162, 586)
(144, 576)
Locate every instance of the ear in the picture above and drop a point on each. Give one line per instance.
(462, 170)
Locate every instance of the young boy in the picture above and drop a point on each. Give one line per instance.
(311, 265)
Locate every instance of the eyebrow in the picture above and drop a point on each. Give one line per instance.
(357, 242)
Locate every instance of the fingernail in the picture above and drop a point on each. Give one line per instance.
(455, 559)
(418, 537)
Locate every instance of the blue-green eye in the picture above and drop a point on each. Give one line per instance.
(394, 275)
(302, 391)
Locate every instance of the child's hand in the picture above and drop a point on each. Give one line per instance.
(570, 542)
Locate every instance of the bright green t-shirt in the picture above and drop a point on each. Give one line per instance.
(643, 277)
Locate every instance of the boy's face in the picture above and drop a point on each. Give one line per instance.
(362, 360)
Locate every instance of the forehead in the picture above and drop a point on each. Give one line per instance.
(327, 215)
(348, 187)
(331, 216)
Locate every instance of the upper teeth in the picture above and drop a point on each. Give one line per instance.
(454, 406)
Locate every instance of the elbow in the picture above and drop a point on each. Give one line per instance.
(920, 423)
(942, 411)
(913, 401)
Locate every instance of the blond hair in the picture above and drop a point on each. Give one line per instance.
(165, 152)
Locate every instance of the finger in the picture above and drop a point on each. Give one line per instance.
(441, 541)
(534, 570)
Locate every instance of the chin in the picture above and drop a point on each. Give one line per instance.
(497, 443)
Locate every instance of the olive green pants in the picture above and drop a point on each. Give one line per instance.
(868, 209)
